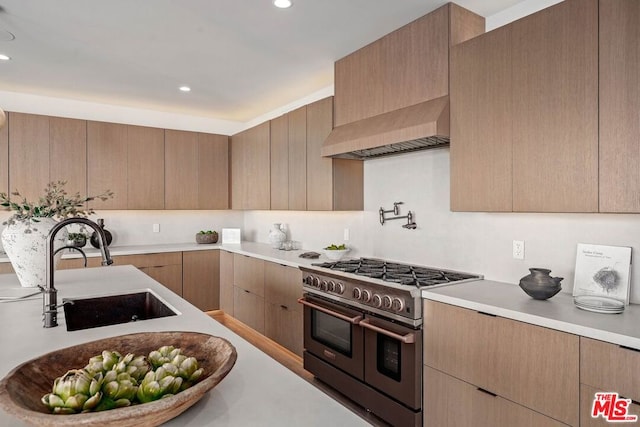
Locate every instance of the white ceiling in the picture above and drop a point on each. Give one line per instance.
(242, 58)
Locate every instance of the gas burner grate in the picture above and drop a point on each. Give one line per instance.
(403, 274)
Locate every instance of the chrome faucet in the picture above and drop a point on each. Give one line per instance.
(50, 300)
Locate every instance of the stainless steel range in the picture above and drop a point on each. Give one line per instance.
(363, 331)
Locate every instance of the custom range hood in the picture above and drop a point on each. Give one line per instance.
(418, 127)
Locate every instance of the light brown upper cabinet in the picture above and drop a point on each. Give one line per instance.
(28, 154)
(145, 170)
(250, 168)
(4, 159)
(524, 108)
(332, 184)
(403, 68)
(289, 160)
(196, 170)
(107, 165)
(44, 149)
(619, 88)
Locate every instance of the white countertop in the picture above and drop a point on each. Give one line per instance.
(257, 392)
(558, 312)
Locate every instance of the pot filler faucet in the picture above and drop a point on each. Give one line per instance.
(50, 300)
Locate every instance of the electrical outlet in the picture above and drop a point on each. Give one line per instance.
(346, 236)
(156, 228)
(518, 249)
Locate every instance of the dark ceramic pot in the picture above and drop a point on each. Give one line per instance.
(539, 284)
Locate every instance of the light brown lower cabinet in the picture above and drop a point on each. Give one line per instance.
(249, 308)
(450, 402)
(535, 367)
(201, 279)
(6, 268)
(283, 315)
(226, 282)
(165, 268)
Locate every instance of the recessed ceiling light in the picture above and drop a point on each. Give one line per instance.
(4, 57)
(282, 4)
(185, 88)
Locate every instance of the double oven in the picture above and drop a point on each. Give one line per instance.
(363, 333)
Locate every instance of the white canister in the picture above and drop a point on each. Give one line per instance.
(277, 236)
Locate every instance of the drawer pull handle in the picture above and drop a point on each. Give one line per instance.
(284, 307)
(409, 338)
(353, 320)
(329, 355)
(487, 392)
(246, 291)
(487, 314)
(629, 348)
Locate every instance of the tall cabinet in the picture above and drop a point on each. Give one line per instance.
(107, 165)
(4, 159)
(524, 108)
(619, 89)
(251, 168)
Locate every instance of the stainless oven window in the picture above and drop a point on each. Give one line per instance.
(332, 332)
(389, 357)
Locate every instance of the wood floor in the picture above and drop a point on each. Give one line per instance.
(291, 361)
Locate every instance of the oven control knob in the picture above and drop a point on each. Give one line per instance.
(377, 301)
(308, 280)
(323, 285)
(366, 295)
(397, 304)
(357, 293)
(386, 301)
(340, 288)
(331, 286)
(316, 282)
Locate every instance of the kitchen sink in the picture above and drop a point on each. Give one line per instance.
(86, 313)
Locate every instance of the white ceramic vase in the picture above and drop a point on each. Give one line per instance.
(277, 236)
(25, 244)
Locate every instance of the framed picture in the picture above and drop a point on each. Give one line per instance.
(603, 271)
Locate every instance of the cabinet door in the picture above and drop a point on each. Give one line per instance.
(280, 163)
(297, 159)
(4, 158)
(28, 154)
(282, 285)
(250, 168)
(107, 164)
(145, 153)
(213, 171)
(619, 88)
(226, 282)
(149, 260)
(511, 359)
(555, 109)
(68, 153)
(320, 185)
(249, 309)
(359, 84)
(181, 169)
(481, 133)
(201, 279)
(168, 275)
(449, 402)
(587, 395)
(248, 274)
(416, 61)
(6, 268)
(284, 325)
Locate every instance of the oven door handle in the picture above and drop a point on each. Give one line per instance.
(409, 338)
(353, 320)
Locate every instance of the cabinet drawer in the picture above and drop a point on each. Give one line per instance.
(282, 285)
(285, 326)
(70, 263)
(587, 394)
(449, 402)
(248, 274)
(515, 360)
(608, 367)
(149, 260)
(7, 268)
(169, 276)
(249, 309)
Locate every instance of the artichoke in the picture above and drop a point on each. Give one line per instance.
(118, 390)
(136, 366)
(76, 391)
(103, 362)
(187, 370)
(164, 354)
(163, 382)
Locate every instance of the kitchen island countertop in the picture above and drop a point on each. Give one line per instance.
(257, 392)
(559, 312)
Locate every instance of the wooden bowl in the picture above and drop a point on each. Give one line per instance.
(22, 388)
